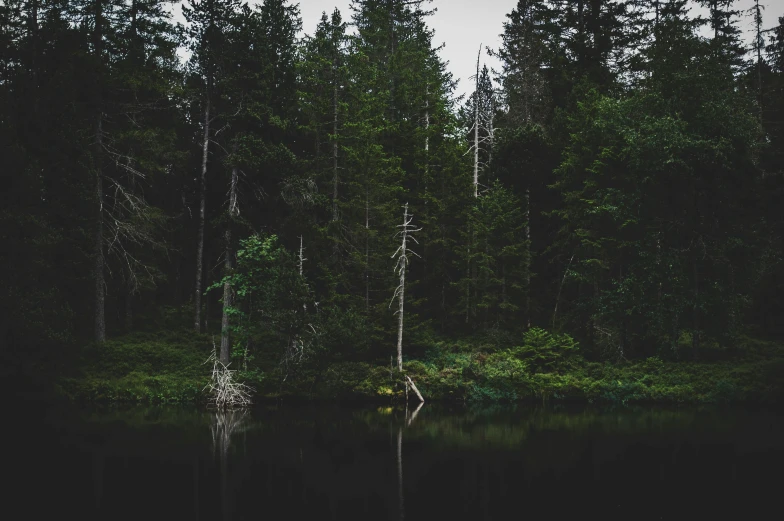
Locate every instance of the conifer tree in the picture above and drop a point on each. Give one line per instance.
(208, 22)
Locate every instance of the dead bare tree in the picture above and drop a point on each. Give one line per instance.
(405, 233)
(476, 125)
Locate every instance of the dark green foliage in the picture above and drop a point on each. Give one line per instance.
(271, 297)
(629, 178)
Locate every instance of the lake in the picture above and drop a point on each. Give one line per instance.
(375, 463)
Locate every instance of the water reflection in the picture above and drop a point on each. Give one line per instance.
(409, 419)
(433, 462)
(226, 423)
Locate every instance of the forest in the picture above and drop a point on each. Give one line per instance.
(598, 220)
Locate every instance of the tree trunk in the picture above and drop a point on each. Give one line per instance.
(367, 246)
(98, 255)
(528, 256)
(228, 294)
(476, 127)
(202, 210)
(402, 292)
(225, 349)
(33, 31)
(335, 153)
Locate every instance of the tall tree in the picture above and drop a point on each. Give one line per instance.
(208, 21)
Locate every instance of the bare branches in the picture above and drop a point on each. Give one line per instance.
(225, 392)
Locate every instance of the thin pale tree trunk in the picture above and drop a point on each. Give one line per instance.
(476, 127)
(335, 153)
(202, 211)
(402, 292)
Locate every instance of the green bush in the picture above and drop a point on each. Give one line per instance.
(547, 352)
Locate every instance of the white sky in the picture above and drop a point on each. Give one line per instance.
(462, 25)
(465, 24)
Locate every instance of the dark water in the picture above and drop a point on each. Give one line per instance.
(331, 462)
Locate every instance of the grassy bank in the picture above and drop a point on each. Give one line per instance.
(168, 367)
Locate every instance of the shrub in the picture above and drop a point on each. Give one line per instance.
(546, 352)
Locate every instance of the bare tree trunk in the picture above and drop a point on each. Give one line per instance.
(411, 384)
(228, 301)
(202, 209)
(402, 294)
(335, 153)
(367, 247)
(295, 344)
(476, 126)
(427, 135)
(228, 293)
(406, 229)
(528, 256)
(98, 255)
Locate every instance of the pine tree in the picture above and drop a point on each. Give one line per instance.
(208, 21)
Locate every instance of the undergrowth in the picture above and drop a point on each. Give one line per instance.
(168, 367)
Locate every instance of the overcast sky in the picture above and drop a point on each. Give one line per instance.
(465, 24)
(462, 25)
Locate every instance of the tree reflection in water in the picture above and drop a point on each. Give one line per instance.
(225, 424)
(410, 417)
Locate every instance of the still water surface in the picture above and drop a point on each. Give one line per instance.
(437, 462)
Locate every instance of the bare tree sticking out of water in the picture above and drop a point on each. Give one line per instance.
(405, 233)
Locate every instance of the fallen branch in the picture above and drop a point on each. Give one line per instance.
(414, 387)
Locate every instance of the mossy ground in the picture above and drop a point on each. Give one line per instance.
(168, 367)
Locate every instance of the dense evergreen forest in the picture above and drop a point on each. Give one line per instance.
(608, 201)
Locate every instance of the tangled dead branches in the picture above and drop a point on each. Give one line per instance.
(225, 392)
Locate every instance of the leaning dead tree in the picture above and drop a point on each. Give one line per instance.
(405, 233)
